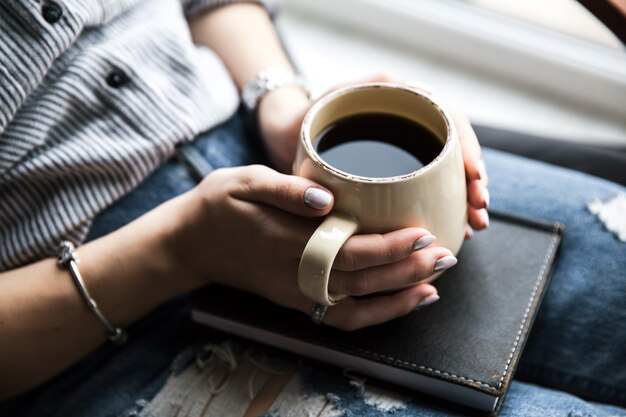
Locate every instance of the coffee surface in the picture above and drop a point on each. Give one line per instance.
(377, 145)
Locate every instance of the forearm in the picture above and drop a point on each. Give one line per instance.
(243, 35)
(45, 325)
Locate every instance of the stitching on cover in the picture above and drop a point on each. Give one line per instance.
(455, 376)
(530, 302)
(422, 367)
(533, 294)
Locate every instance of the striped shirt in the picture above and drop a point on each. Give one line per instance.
(94, 95)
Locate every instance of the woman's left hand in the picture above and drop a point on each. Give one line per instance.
(281, 112)
(280, 115)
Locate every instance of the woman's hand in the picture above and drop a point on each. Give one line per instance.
(247, 228)
(281, 113)
(475, 175)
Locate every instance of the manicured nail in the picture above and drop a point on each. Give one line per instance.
(486, 197)
(317, 198)
(426, 301)
(469, 232)
(484, 215)
(444, 263)
(422, 242)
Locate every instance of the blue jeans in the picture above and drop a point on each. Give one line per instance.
(577, 348)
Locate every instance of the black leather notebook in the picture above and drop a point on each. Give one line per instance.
(464, 348)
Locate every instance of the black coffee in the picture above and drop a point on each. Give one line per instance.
(377, 145)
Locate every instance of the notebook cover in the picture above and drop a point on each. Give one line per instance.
(464, 348)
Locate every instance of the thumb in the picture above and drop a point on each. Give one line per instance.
(290, 193)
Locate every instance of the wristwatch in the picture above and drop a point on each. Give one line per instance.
(267, 80)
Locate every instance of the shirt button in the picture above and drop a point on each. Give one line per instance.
(51, 11)
(117, 78)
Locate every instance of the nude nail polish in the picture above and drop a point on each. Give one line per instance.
(485, 217)
(444, 263)
(486, 197)
(426, 301)
(422, 242)
(317, 198)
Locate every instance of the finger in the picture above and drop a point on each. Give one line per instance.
(290, 193)
(419, 266)
(469, 146)
(364, 251)
(478, 219)
(477, 194)
(352, 314)
(483, 172)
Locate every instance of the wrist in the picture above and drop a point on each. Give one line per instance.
(280, 114)
(277, 105)
(143, 251)
(180, 242)
(127, 271)
(169, 245)
(268, 80)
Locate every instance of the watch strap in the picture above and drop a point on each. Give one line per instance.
(269, 79)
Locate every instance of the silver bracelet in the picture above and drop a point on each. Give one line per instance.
(67, 259)
(267, 80)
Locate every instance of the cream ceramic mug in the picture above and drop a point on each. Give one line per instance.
(433, 197)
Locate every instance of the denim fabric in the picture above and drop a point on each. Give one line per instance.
(579, 338)
(228, 145)
(111, 379)
(523, 400)
(577, 346)
(578, 342)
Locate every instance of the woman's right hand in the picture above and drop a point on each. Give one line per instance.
(241, 227)
(247, 228)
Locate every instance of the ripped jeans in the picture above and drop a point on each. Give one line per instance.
(172, 367)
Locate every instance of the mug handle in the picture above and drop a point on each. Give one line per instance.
(320, 253)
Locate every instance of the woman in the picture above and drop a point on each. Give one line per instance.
(96, 99)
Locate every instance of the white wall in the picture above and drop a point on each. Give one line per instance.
(336, 47)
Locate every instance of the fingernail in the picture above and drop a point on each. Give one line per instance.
(317, 198)
(486, 197)
(444, 263)
(422, 242)
(426, 301)
(469, 232)
(484, 215)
